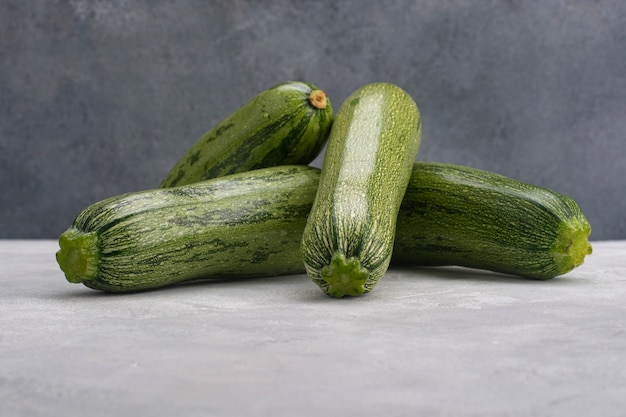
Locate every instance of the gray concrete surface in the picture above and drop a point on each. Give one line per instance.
(427, 342)
(101, 97)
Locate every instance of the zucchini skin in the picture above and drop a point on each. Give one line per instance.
(287, 124)
(456, 215)
(348, 239)
(243, 225)
(251, 224)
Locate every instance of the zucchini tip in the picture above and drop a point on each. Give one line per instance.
(344, 276)
(79, 255)
(318, 99)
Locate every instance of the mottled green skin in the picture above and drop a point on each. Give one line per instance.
(280, 126)
(455, 215)
(251, 224)
(371, 149)
(244, 225)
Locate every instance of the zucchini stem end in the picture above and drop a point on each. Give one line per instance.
(572, 245)
(79, 255)
(318, 99)
(345, 276)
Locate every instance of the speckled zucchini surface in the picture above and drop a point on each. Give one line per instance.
(251, 224)
(457, 215)
(243, 225)
(348, 239)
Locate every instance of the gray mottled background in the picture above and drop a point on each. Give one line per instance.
(102, 97)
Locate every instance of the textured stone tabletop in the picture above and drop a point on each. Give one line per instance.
(429, 342)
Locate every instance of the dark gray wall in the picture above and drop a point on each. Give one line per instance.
(101, 97)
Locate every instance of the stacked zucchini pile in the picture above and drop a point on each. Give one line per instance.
(243, 202)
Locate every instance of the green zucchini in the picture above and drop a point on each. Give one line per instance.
(243, 225)
(456, 215)
(251, 224)
(348, 238)
(287, 124)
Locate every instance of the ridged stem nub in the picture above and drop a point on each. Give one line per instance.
(79, 255)
(571, 246)
(345, 276)
(318, 99)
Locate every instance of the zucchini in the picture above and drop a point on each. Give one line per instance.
(251, 224)
(348, 238)
(287, 124)
(243, 225)
(456, 215)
